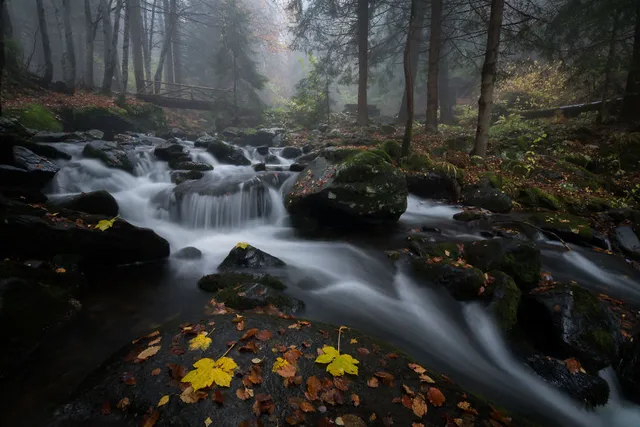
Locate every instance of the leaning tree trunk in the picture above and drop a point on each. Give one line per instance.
(608, 69)
(431, 123)
(169, 26)
(125, 46)
(7, 25)
(446, 101)
(137, 41)
(46, 44)
(631, 104)
(90, 46)
(71, 51)
(408, 79)
(416, 41)
(488, 78)
(363, 61)
(2, 60)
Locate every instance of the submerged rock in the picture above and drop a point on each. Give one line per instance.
(228, 154)
(365, 189)
(178, 177)
(111, 154)
(96, 202)
(188, 253)
(297, 167)
(463, 284)
(246, 256)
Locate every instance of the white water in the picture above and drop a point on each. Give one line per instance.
(340, 282)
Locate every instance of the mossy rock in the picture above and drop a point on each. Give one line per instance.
(534, 197)
(490, 180)
(215, 282)
(584, 206)
(504, 299)
(460, 142)
(251, 296)
(148, 117)
(580, 159)
(516, 167)
(568, 227)
(36, 116)
(464, 284)
(381, 153)
(362, 166)
(470, 215)
(417, 162)
(422, 247)
(392, 148)
(478, 161)
(626, 146)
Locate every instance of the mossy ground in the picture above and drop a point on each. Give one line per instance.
(37, 117)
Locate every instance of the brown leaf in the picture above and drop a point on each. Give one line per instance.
(156, 341)
(466, 406)
(128, 378)
(149, 420)
(255, 374)
(287, 371)
(178, 372)
(341, 383)
(292, 355)
(417, 425)
(435, 396)
(407, 401)
(105, 409)
(156, 372)
(244, 393)
(296, 418)
(408, 390)
(387, 378)
(363, 351)
(313, 387)
(355, 399)
(426, 379)
(307, 407)
(190, 396)
(264, 335)
(240, 325)
(573, 365)
(419, 406)
(351, 420)
(251, 347)
(373, 382)
(249, 334)
(147, 353)
(123, 403)
(263, 405)
(296, 380)
(218, 397)
(500, 416)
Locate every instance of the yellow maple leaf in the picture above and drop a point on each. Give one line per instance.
(200, 342)
(339, 364)
(105, 224)
(209, 371)
(242, 245)
(279, 363)
(163, 400)
(208, 422)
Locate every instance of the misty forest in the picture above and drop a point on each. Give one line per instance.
(246, 213)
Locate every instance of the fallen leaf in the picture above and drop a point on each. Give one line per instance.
(156, 372)
(341, 383)
(466, 406)
(313, 387)
(209, 371)
(355, 399)
(128, 378)
(200, 342)
(419, 407)
(255, 375)
(283, 368)
(407, 401)
(426, 379)
(189, 395)
(177, 371)
(149, 420)
(240, 325)
(163, 400)
(264, 335)
(251, 347)
(244, 393)
(307, 407)
(353, 341)
(147, 353)
(208, 422)
(292, 355)
(106, 408)
(155, 342)
(263, 405)
(339, 364)
(105, 224)
(435, 396)
(408, 390)
(242, 245)
(363, 351)
(61, 270)
(417, 425)
(386, 378)
(417, 368)
(373, 382)
(249, 334)
(574, 366)
(123, 403)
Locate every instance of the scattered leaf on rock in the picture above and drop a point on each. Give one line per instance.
(149, 420)
(426, 379)
(307, 407)
(263, 404)
(373, 382)
(147, 353)
(435, 396)
(209, 371)
(244, 393)
(155, 372)
(123, 403)
(249, 334)
(264, 335)
(189, 395)
(417, 368)
(466, 406)
(283, 368)
(574, 366)
(163, 400)
(339, 364)
(200, 342)
(355, 399)
(419, 406)
(208, 422)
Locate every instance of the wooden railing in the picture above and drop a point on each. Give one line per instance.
(180, 91)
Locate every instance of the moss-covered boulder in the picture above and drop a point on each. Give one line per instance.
(364, 189)
(431, 180)
(568, 227)
(423, 247)
(111, 154)
(331, 154)
(515, 166)
(488, 198)
(568, 321)
(460, 142)
(518, 258)
(392, 148)
(584, 205)
(37, 117)
(228, 154)
(503, 298)
(534, 197)
(245, 256)
(469, 215)
(462, 282)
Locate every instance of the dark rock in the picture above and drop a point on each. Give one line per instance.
(246, 256)
(488, 198)
(260, 167)
(96, 203)
(262, 137)
(570, 228)
(61, 137)
(111, 154)
(568, 321)
(229, 185)
(590, 390)
(361, 191)
(231, 132)
(533, 197)
(433, 185)
(11, 133)
(204, 141)
(291, 152)
(30, 169)
(296, 167)
(503, 298)
(191, 166)
(387, 129)
(470, 215)
(463, 284)
(169, 152)
(272, 159)
(228, 154)
(27, 231)
(331, 154)
(518, 258)
(263, 151)
(627, 240)
(188, 253)
(178, 177)
(216, 282)
(46, 151)
(628, 369)
(109, 121)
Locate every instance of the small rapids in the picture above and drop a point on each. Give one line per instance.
(349, 283)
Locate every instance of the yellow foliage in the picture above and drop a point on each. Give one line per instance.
(209, 371)
(339, 364)
(242, 245)
(163, 400)
(105, 224)
(279, 363)
(200, 342)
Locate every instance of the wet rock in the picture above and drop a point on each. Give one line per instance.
(231, 132)
(297, 167)
(262, 137)
(246, 256)
(363, 190)
(28, 170)
(331, 154)
(111, 154)
(570, 228)
(260, 167)
(62, 137)
(463, 284)
(533, 197)
(229, 185)
(590, 390)
(11, 133)
(518, 258)
(502, 296)
(433, 185)
(96, 202)
(178, 177)
(628, 369)
(263, 150)
(488, 198)
(627, 240)
(204, 141)
(45, 150)
(470, 215)
(188, 253)
(168, 152)
(291, 152)
(228, 154)
(272, 159)
(190, 166)
(216, 282)
(568, 321)
(28, 231)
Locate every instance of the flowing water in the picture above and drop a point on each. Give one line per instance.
(350, 282)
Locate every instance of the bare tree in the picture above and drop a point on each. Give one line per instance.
(2, 59)
(169, 26)
(175, 43)
(363, 61)
(71, 52)
(631, 104)
(431, 122)
(125, 45)
(138, 42)
(90, 46)
(408, 78)
(485, 102)
(46, 44)
(148, 47)
(416, 41)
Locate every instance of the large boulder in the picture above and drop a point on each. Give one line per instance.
(518, 258)
(96, 203)
(464, 284)
(178, 177)
(502, 297)
(590, 390)
(168, 152)
(291, 152)
(568, 321)
(188, 253)
(270, 137)
(244, 256)
(628, 369)
(332, 154)
(627, 240)
(11, 133)
(364, 189)
(111, 154)
(204, 141)
(28, 170)
(190, 166)
(433, 185)
(570, 228)
(228, 154)
(32, 231)
(488, 198)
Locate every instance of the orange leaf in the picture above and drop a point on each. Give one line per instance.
(250, 333)
(373, 382)
(435, 396)
(573, 365)
(355, 399)
(155, 372)
(307, 407)
(419, 406)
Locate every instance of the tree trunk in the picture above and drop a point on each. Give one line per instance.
(46, 44)
(416, 41)
(125, 46)
(175, 37)
(431, 123)
(168, 34)
(163, 57)
(107, 77)
(408, 78)
(446, 101)
(2, 60)
(631, 104)
(148, 51)
(138, 42)
(488, 78)
(608, 68)
(7, 25)
(363, 61)
(71, 52)
(235, 87)
(117, 71)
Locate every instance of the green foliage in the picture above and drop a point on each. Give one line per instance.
(38, 117)
(308, 105)
(417, 162)
(392, 148)
(465, 116)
